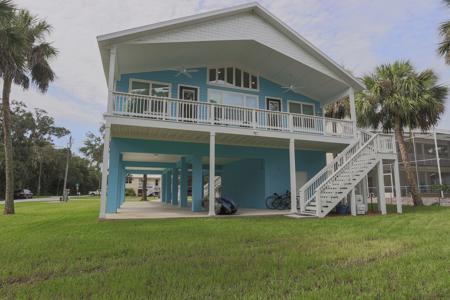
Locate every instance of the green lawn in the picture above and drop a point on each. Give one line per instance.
(61, 250)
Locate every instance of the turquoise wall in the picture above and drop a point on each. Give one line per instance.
(259, 172)
(267, 88)
(244, 182)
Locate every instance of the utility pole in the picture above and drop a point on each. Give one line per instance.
(65, 191)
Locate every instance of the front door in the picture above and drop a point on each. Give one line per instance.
(273, 119)
(188, 110)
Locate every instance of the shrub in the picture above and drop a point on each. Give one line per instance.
(130, 192)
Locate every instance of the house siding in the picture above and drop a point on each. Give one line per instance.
(267, 88)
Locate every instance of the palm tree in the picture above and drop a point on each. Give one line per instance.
(398, 97)
(24, 58)
(444, 31)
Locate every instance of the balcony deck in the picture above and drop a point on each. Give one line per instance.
(219, 115)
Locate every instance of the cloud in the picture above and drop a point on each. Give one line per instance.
(357, 34)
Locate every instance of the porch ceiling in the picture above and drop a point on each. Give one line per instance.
(164, 134)
(248, 54)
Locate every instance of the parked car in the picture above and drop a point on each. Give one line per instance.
(95, 193)
(23, 194)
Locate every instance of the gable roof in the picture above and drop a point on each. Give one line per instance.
(123, 36)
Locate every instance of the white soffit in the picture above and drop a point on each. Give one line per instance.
(248, 21)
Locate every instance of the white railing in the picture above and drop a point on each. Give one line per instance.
(177, 110)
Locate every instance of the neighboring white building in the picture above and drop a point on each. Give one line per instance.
(136, 182)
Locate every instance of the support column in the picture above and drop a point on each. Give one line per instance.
(113, 174)
(212, 174)
(183, 183)
(353, 202)
(398, 195)
(292, 173)
(197, 184)
(162, 187)
(174, 186)
(351, 95)
(166, 187)
(169, 186)
(105, 165)
(381, 198)
(438, 162)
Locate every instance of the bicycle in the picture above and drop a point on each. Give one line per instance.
(279, 202)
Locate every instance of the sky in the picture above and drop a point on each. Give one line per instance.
(358, 34)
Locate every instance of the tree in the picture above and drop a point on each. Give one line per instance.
(93, 147)
(398, 97)
(338, 110)
(444, 31)
(144, 188)
(24, 58)
(32, 134)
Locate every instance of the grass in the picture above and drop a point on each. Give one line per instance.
(58, 250)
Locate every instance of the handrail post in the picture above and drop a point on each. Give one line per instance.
(302, 200)
(254, 118)
(212, 111)
(291, 122)
(164, 102)
(318, 204)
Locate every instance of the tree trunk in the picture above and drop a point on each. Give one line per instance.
(144, 188)
(39, 177)
(410, 178)
(9, 167)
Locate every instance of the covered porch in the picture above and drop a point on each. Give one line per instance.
(248, 168)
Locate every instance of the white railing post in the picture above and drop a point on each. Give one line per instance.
(212, 111)
(254, 118)
(302, 200)
(164, 108)
(291, 122)
(318, 204)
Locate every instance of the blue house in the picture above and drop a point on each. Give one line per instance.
(233, 95)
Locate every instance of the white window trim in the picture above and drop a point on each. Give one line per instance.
(238, 93)
(189, 86)
(275, 98)
(233, 86)
(149, 82)
(302, 102)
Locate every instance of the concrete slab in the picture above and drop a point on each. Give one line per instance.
(159, 210)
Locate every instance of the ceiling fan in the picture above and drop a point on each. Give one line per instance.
(291, 87)
(184, 71)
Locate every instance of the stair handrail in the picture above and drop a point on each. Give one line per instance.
(343, 166)
(331, 167)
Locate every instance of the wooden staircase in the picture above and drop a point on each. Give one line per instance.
(334, 182)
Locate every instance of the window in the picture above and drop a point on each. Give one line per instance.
(254, 82)
(150, 88)
(231, 76)
(141, 88)
(301, 108)
(238, 82)
(129, 179)
(231, 98)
